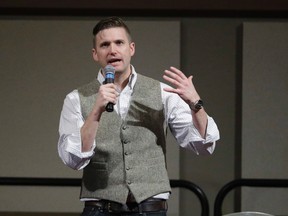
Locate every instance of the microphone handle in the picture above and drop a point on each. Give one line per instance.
(109, 107)
(109, 80)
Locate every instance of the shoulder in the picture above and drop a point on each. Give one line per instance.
(89, 88)
(146, 81)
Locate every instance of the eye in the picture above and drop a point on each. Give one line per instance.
(105, 44)
(119, 42)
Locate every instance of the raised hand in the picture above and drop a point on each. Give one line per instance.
(183, 86)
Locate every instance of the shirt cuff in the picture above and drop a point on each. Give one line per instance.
(75, 147)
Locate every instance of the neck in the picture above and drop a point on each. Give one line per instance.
(122, 79)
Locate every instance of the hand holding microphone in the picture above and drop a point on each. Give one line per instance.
(109, 78)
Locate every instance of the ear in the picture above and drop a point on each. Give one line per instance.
(94, 54)
(132, 48)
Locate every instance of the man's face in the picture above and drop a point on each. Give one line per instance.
(113, 47)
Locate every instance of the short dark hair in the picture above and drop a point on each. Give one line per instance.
(110, 22)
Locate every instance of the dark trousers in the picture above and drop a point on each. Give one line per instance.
(94, 211)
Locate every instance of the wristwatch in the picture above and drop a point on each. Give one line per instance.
(197, 105)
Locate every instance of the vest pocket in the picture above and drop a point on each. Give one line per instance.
(95, 176)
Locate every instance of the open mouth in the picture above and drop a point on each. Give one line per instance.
(111, 61)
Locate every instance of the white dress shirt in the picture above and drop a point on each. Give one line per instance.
(178, 118)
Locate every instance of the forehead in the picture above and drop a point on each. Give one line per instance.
(111, 34)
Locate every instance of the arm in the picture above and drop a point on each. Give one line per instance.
(76, 136)
(184, 87)
(107, 93)
(69, 143)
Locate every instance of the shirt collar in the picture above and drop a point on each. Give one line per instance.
(132, 78)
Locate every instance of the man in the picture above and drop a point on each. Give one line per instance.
(122, 153)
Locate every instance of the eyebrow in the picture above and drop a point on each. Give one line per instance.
(109, 42)
(104, 43)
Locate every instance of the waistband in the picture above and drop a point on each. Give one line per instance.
(149, 205)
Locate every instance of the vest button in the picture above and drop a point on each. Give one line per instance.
(129, 182)
(126, 153)
(124, 127)
(126, 141)
(127, 168)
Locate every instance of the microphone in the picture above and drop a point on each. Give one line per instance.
(109, 78)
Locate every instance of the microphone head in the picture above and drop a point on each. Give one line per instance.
(109, 69)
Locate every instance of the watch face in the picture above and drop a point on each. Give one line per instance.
(196, 106)
(199, 104)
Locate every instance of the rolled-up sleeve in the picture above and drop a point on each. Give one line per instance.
(179, 120)
(69, 143)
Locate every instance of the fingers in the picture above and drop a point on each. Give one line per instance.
(107, 93)
(110, 93)
(175, 73)
(176, 77)
(182, 85)
(170, 80)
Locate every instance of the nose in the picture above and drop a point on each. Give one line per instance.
(113, 48)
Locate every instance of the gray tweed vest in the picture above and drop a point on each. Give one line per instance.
(130, 153)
